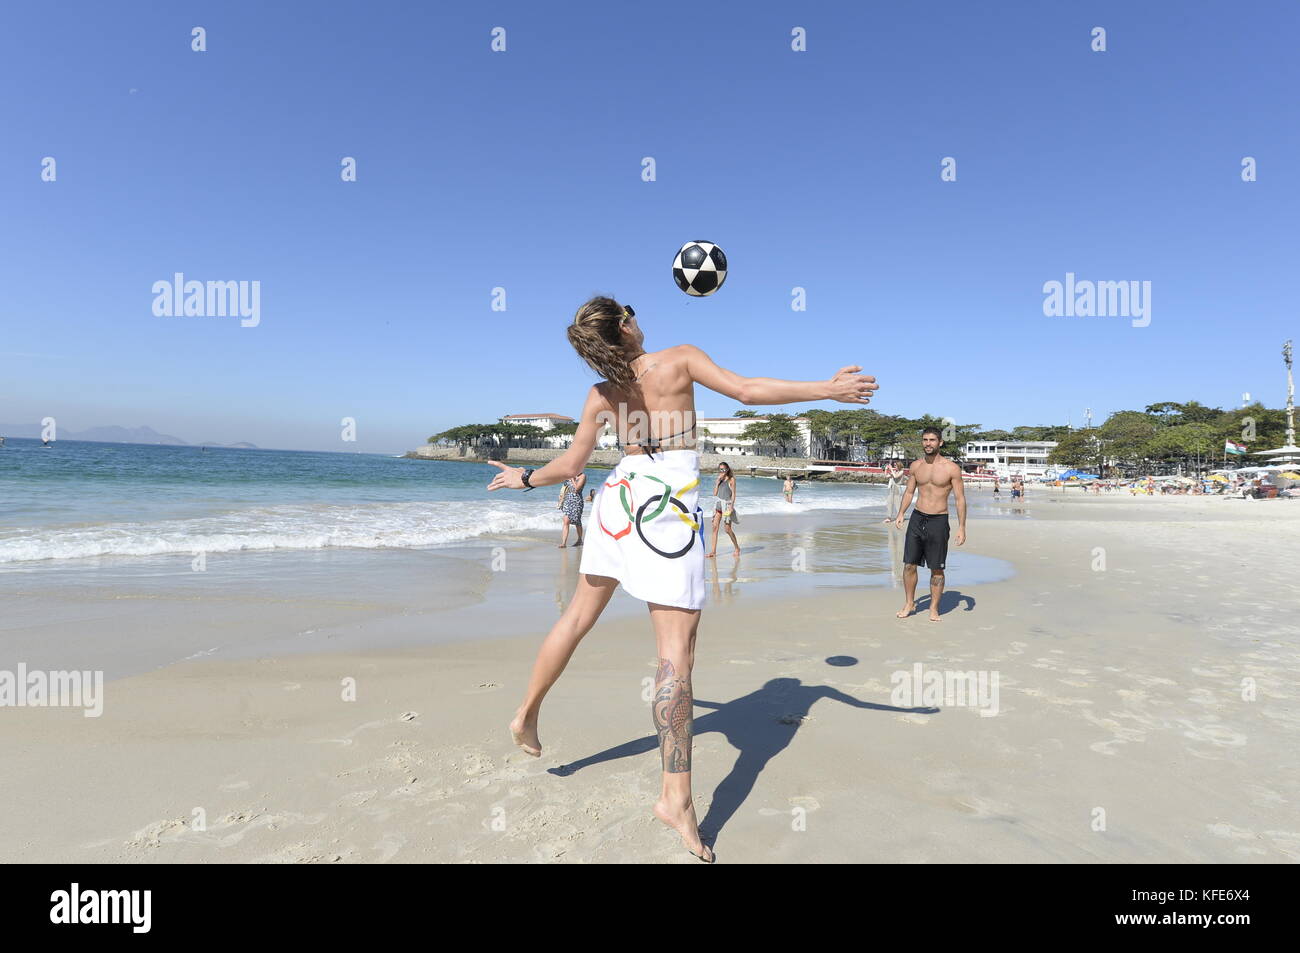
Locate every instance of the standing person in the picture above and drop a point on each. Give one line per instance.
(997, 489)
(724, 510)
(788, 489)
(571, 505)
(1016, 488)
(927, 530)
(647, 520)
(894, 473)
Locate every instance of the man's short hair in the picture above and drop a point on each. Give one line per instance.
(934, 430)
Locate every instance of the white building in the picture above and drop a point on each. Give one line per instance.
(724, 433)
(1008, 458)
(543, 422)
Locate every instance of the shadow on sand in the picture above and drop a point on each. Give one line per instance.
(950, 600)
(759, 725)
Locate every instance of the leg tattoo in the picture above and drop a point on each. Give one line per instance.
(672, 717)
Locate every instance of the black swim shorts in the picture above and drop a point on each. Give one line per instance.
(927, 540)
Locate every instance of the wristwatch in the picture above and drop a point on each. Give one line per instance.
(526, 474)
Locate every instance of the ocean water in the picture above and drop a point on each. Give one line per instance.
(93, 501)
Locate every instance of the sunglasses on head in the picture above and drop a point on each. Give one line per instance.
(628, 311)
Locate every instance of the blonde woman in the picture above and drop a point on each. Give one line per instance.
(646, 528)
(724, 510)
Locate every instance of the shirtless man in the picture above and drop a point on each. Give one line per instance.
(927, 531)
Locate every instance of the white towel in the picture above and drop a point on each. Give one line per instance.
(648, 529)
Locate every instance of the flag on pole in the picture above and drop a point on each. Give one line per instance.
(1230, 447)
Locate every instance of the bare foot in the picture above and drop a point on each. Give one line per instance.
(934, 616)
(709, 555)
(682, 820)
(525, 735)
(560, 546)
(577, 544)
(905, 611)
(737, 551)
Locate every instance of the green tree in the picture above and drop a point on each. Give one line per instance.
(1258, 427)
(820, 423)
(1054, 432)
(1083, 449)
(778, 430)
(954, 442)
(1189, 444)
(1124, 436)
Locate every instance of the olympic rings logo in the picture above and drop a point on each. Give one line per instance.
(624, 491)
(660, 501)
(690, 540)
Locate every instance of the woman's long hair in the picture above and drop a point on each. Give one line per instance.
(596, 336)
(727, 475)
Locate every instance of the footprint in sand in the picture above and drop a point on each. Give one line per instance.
(388, 847)
(1229, 831)
(154, 834)
(1220, 735)
(982, 807)
(356, 798)
(347, 739)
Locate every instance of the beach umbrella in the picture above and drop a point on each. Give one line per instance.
(1288, 454)
(1219, 478)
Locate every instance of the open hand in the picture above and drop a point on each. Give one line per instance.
(510, 478)
(850, 387)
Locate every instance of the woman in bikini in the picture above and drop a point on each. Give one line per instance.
(647, 529)
(724, 511)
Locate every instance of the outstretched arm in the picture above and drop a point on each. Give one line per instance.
(568, 464)
(847, 386)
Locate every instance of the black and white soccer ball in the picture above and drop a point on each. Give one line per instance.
(700, 268)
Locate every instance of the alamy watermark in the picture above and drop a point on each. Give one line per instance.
(937, 687)
(33, 688)
(1100, 299)
(213, 299)
(126, 907)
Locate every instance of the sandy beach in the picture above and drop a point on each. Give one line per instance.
(1122, 732)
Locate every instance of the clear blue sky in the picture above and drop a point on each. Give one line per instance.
(522, 169)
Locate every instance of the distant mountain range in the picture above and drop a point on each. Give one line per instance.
(113, 435)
